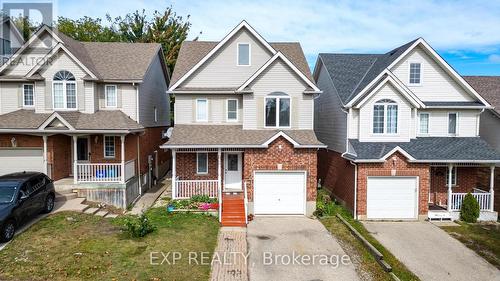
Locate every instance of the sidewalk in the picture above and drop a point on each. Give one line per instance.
(230, 257)
(149, 197)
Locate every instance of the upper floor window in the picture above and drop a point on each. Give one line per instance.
(277, 110)
(243, 54)
(64, 90)
(202, 110)
(232, 110)
(415, 73)
(111, 96)
(385, 117)
(424, 123)
(452, 123)
(28, 95)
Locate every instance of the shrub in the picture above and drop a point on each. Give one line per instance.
(469, 212)
(138, 226)
(200, 198)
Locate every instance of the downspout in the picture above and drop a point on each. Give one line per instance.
(355, 190)
(136, 102)
(478, 122)
(139, 164)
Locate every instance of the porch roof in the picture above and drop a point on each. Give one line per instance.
(426, 149)
(235, 136)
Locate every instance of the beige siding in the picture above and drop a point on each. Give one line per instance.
(185, 109)
(128, 100)
(437, 84)
(152, 93)
(30, 58)
(89, 97)
(278, 77)
(9, 99)
(40, 97)
(354, 124)
(222, 70)
(438, 122)
(489, 121)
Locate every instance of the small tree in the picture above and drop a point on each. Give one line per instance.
(469, 212)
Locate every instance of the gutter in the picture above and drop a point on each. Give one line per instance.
(70, 131)
(168, 146)
(355, 190)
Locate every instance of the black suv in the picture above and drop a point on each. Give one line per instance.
(22, 196)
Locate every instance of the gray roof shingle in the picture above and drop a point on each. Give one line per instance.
(429, 148)
(488, 87)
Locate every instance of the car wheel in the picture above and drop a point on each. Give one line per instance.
(8, 231)
(49, 204)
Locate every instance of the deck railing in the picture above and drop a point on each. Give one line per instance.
(188, 188)
(98, 172)
(483, 198)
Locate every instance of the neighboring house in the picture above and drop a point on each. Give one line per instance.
(489, 127)
(402, 130)
(90, 115)
(244, 121)
(10, 39)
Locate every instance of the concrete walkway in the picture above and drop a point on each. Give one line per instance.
(149, 197)
(295, 248)
(430, 252)
(230, 258)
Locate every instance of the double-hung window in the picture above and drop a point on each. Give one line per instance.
(277, 110)
(385, 117)
(232, 110)
(28, 95)
(423, 123)
(415, 77)
(243, 54)
(109, 146)
(453, 176)
(202, 163)
(452, 123)
(64, 90)
(201, 110)
(111, 96)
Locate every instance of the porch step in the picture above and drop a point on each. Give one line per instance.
(101, 213)
(233, 210)
(65, 196)
(91, 211)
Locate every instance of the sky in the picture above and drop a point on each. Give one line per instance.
(465, 33)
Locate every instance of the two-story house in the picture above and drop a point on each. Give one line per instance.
(244, 122)
(90, 115)
(402, 130)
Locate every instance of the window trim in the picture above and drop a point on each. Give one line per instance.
(206, 104)
(277, 111)
(106, 96)
(104, 146)
(197, 163)
(428, 123)
(456, 124)
(454, 178)
(421, 73)
(24, 100)
(385, 104)
(227, 111)
(249, 54)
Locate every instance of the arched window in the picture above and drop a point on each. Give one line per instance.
(64, 90)
(277, 110)
(385, 117)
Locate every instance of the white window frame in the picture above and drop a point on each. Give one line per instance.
(428, 123)
(385, 127)
(206, 104)
(104, 146)
(278, 98)
(227, 111)
(197, 161)
(421, 73)
(24, 100)
(454, 173)
(155, 112)
(249, 54)
(106, 96)
(456, 124)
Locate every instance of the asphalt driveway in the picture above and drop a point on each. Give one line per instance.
(431, 253)
(295, 248)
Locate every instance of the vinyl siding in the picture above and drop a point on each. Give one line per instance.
(489, 129)
(354, 124)
(330, 122)
(438, 123)
(437, 84)
(278, 77)
(89, 97)
(9, 99)
(38, 49)
(221, 70)
(40, 96)
(185, 109)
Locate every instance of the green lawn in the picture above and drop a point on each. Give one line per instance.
(88, 247)
(365, 263)
(483, 238)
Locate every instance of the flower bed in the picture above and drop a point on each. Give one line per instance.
(196, 203)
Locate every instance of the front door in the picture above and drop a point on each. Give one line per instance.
(82, 149)
(232, 176)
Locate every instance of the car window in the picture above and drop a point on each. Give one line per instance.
(7, 191)
(23, 191)
(36, 184)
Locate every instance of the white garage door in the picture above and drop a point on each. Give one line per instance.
(19, 160)
(279, 193)
(392, 198)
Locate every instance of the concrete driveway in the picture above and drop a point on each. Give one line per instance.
(431, 253)
(295, 248)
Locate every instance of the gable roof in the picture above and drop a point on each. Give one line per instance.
(488, 87)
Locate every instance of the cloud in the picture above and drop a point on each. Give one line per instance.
(494, 58)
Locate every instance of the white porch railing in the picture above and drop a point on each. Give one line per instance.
(188, 188)
(100, 172)
(483, 198)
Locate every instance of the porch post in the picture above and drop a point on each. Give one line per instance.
(450, 177)
(75, 160)
(492, 187)
(174, 186)
(122, 138)
(45, 168)
(219, 182)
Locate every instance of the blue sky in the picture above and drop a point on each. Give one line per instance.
(465, 33)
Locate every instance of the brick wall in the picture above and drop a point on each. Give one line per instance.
(59, 156)
(337, 176)
(467, 179)
(21, 140)
(282, 152)
(186, 167)
(402, 168)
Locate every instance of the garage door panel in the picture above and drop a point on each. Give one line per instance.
(279, 193)
(392, 197)
(19, 160)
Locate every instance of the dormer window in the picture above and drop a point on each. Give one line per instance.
(415, 77)
(385, 117)
(64, 90)
(243, 54)
(277, 110)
